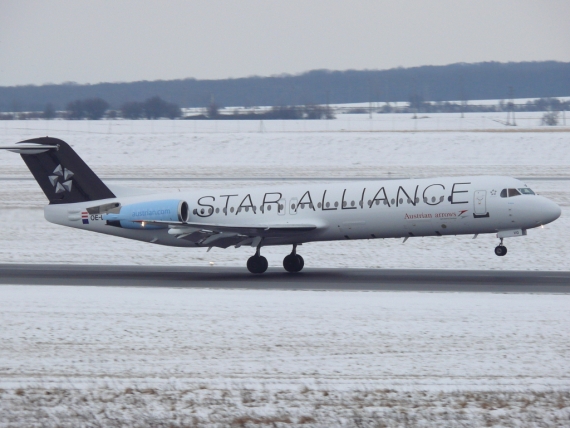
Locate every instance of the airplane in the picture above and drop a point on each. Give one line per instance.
(284, 214)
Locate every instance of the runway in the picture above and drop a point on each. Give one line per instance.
(273, 179)
(276, 278)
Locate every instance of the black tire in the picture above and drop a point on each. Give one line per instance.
(293, 263)
(263, 264)
(290, 263)
(500, 250)
(301, 262)
(251, 265)
(257, 264)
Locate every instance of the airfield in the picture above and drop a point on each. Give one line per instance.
(322, 279)
(435, 329)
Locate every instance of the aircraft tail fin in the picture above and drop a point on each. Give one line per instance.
(63, 176)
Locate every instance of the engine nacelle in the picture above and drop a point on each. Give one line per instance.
(130, 216)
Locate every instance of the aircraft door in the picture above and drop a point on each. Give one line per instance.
(480, 204)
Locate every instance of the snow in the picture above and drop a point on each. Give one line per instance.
(300, 148)
(379, 104)
(76, 356)
(211, 357)
(376, 105)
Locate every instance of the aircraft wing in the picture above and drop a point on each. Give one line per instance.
(223, 235)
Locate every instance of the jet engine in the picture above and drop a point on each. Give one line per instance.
(134, 216)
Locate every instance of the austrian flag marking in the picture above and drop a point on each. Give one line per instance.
(85, 217)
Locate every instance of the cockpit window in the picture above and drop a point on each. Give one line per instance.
(509, 193)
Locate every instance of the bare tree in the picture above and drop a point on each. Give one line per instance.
(49, 112)
(75, 110)
(550, 118)
(213, 110)
(156, 107)
(132, 110)
(90, 108)
(95, 108)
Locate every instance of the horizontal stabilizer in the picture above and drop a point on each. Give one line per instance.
(30, 149)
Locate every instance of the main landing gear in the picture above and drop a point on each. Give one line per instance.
(292, 263)
(257, 263)
(500, 250)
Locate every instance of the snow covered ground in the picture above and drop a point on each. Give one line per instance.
(175, 149)
(103, 356)
(492, 121)
(72, 356)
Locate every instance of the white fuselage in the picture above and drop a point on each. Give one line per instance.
(340, 211)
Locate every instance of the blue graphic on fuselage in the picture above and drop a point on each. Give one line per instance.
(130, 216)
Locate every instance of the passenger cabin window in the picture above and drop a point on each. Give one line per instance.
(509, 193)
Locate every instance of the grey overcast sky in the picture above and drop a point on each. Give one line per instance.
(54, 41)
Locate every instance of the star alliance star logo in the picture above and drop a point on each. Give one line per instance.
(493, 192)
(63, 175)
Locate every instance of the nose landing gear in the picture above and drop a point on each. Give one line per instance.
(257, 263)
(293, 262)
(500, 250)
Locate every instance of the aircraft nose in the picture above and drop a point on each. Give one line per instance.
(550, 212)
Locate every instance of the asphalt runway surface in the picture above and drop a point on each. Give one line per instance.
(234, 179)
(276, 278)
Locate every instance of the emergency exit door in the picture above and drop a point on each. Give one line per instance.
(480, 204)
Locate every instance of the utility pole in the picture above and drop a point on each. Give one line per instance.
(511, 121)
(462, 95)
(370, 100)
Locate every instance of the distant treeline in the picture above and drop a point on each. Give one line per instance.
(459, 82)
(418, 105)
(157, 108)
(97, 108)
(281, 113)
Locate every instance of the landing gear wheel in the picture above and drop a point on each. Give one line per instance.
(500, 250)
(293, 263)
(301, 261)
(257, 264)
